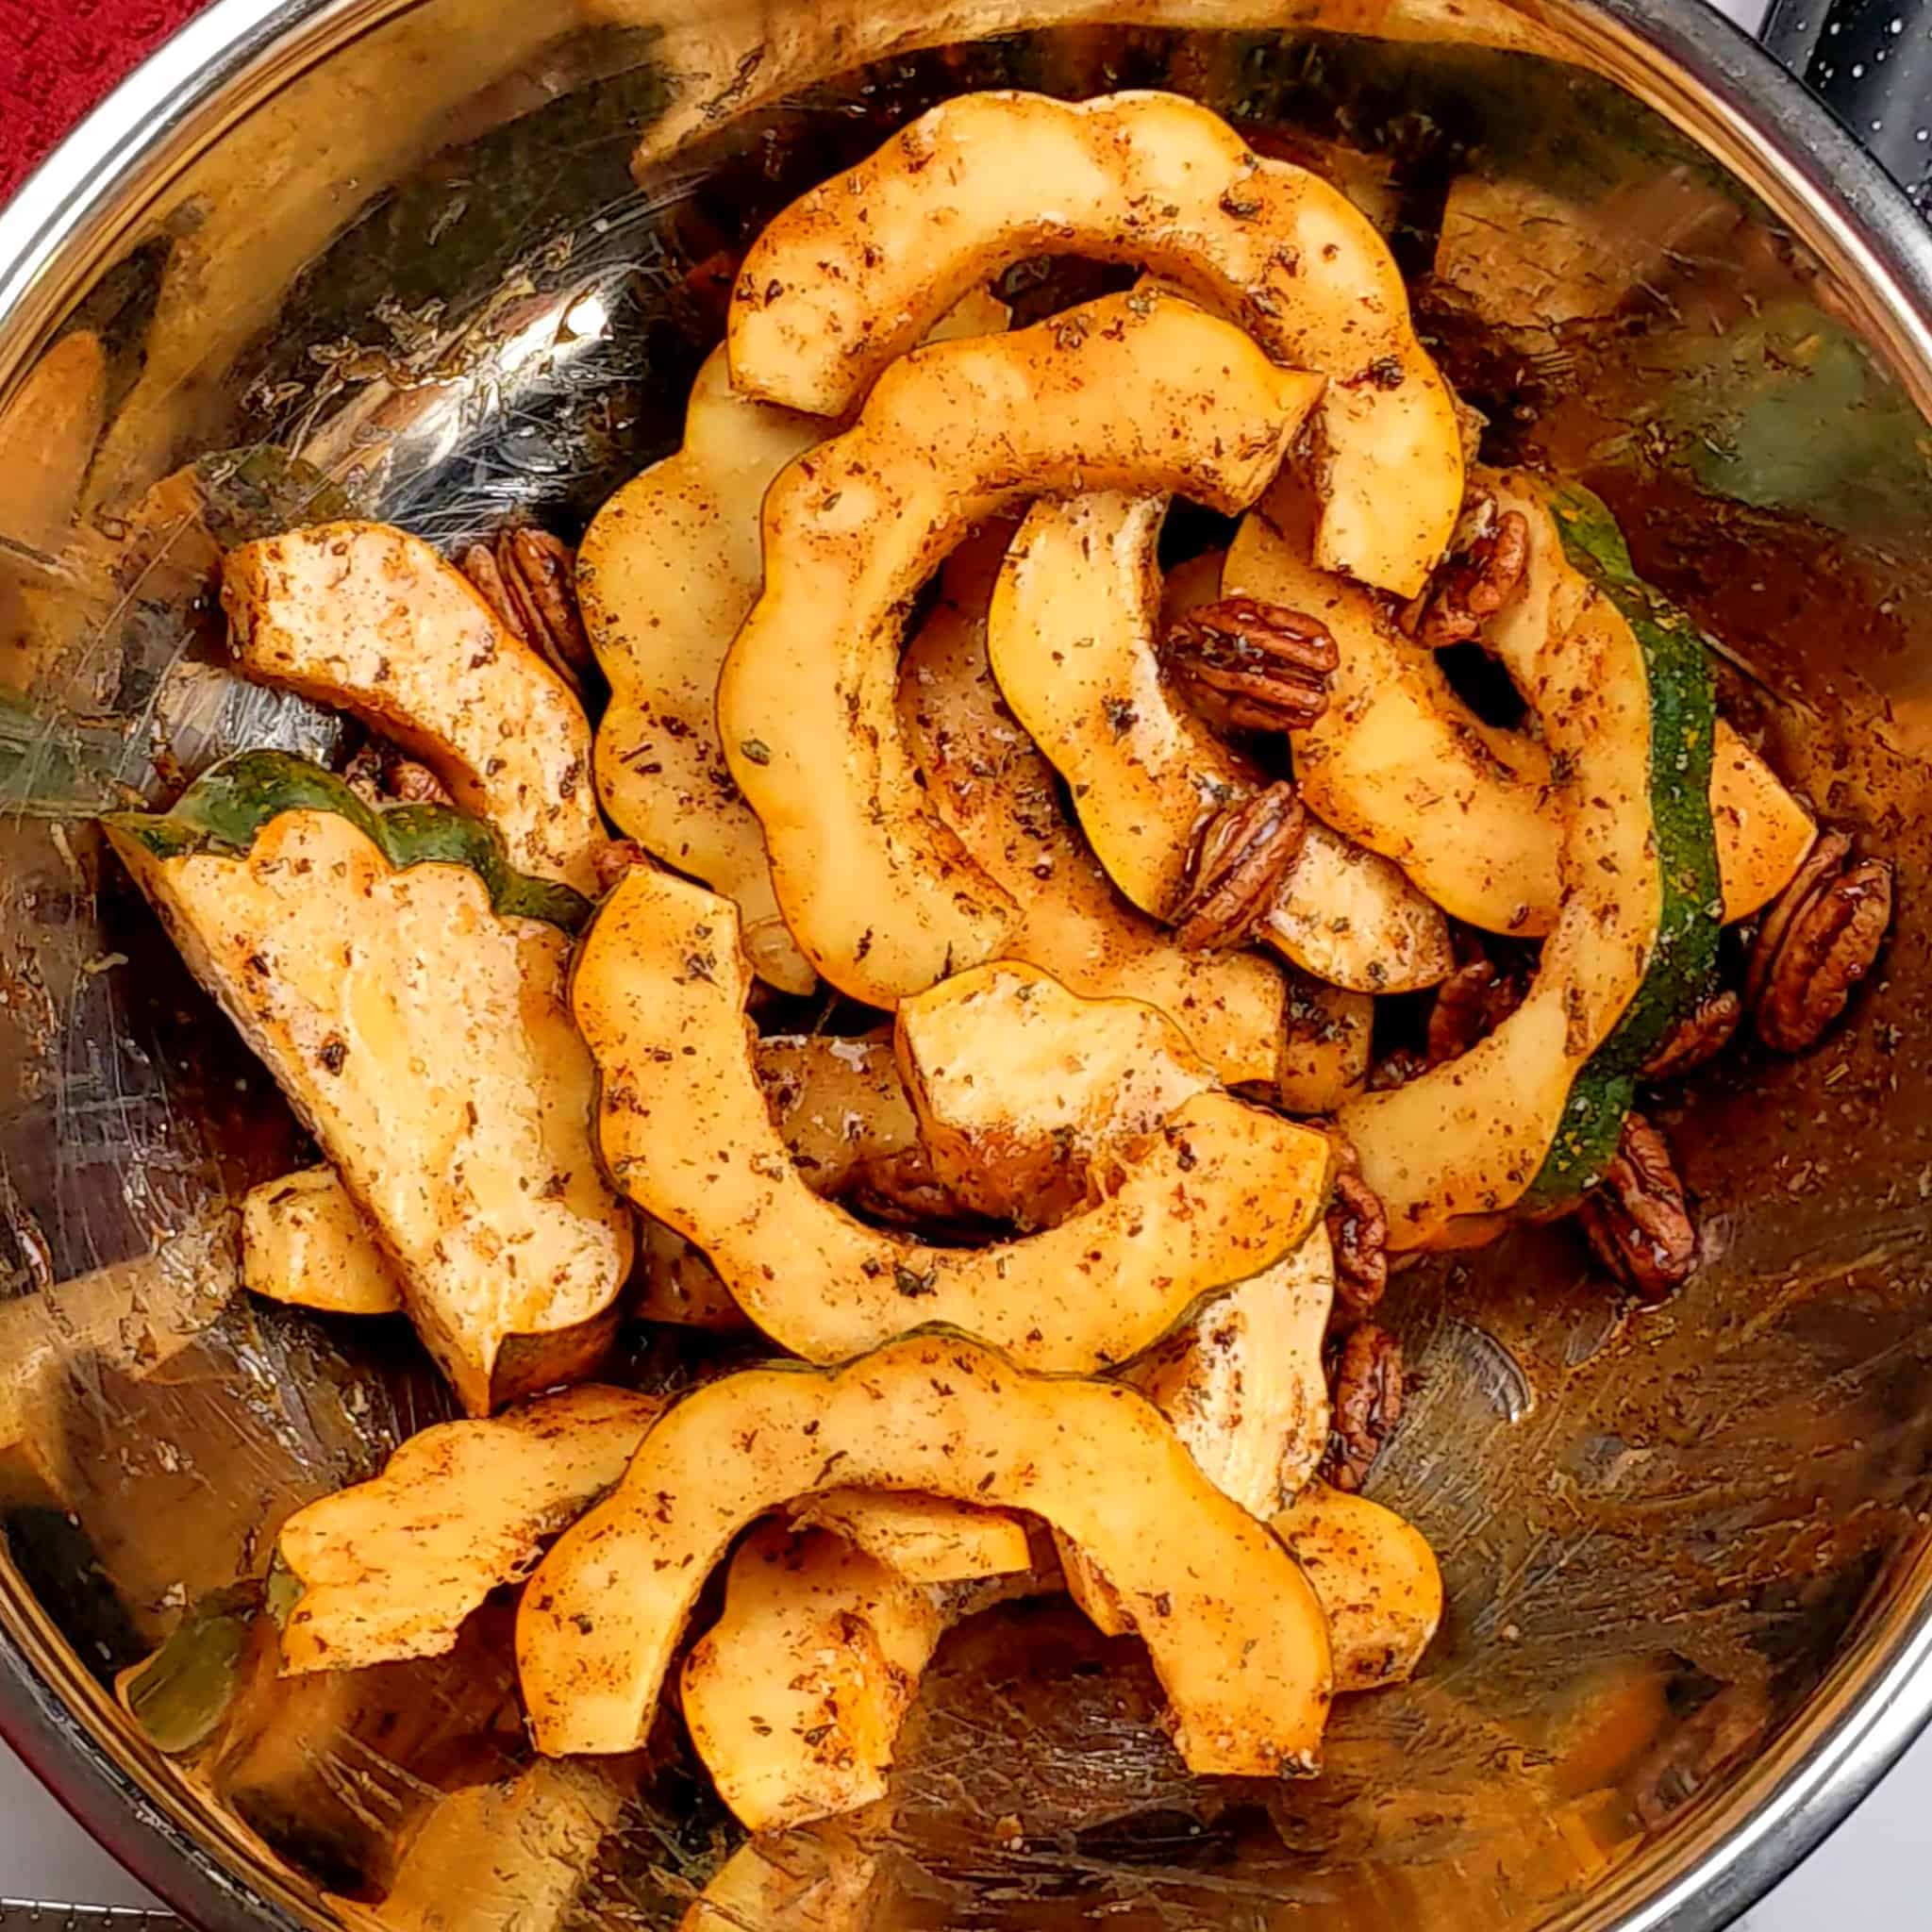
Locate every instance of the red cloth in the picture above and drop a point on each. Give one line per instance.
(59, 58)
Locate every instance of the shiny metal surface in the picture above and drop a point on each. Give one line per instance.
(397, 254)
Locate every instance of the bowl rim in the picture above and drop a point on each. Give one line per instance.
(1682, 59)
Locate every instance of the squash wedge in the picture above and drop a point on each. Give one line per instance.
(808, 1881)
(881, 896)
(1219, 1193)
(407, 989)
(795, 1695)
(1471, 1137)
(848, 278)
(1399, 763)
(999, 798)
(666, 574)
(1324, 1046)
(371, 619)
(304, 1242)
(1376, 1578)
(1072, 637)
(1232, 1627)
(390, 1568)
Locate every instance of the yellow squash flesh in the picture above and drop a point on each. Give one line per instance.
(1469, 1136)
(371, 619)
(923, 1538)
(1073, 639)
(666, 574)
(1377, 1581)
(427, 1042)
(1324, 1046)
(795, 1695)
(848, 278)
(1232, 1629)
(998, 797)
(1219, 1193)
(303, 1240)
(1398, 762)
(881, 896)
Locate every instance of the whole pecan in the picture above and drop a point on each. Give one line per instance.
(1472, 586)
(1267, 665)
(1359, 1231)
(1816, 944)
(1365, 1404)
(1471, 1003)
(529, 580)
(1700, 1036)
(1637, 1220)
(1244, 854)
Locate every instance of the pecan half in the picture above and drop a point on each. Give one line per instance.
(1472, 586)
(902, 1191)
(1365, 1404)
(1268, 666)
(529, 580)
(1637, 1220)
(1471, 1003)
(1817, 942)
(383, 775)
(1244, 855)
(1700, 1036)
(1396, 1069)
(1359, 1230)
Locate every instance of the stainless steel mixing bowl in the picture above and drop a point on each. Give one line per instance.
(432, 258)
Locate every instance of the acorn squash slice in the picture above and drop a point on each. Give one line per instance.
(304, 1242)
(1399, 763)
(666, 574)
(1139, 391)
(1072, 637)
(390, 1568)
(1233, 1632)
(407, 989)
(1000, 798)
(1219, 1193)
(1378, 1579)
(1324, 1046)
(371, 619)
(1626, 710)
(849, 276)
(795, 1695)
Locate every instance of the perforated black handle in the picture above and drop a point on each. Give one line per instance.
(1871, 62)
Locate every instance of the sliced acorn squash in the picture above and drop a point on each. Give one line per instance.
(407, 989)
(372, 621)
(1399, 762)
(303, 1240)
(795, 1695)
(808, 1881)
(1324, 1046)
(1219, 1193)
(1073, 639)
(1376, 1578)
(1140, 389)
(1233, 1629)
(666, 574)
(923, 1538)
(1627, 712)
(999, 797)
(849, 276)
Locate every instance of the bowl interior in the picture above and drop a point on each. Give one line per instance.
(450, 266)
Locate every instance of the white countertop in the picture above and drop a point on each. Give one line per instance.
(1866, 1875)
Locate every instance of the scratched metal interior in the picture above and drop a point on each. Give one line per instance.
(428, 280)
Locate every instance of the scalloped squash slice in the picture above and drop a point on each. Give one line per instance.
(304, 1242)
(1399, 762)
(795, 1696)
(1137, 391)
(1072, 637)
(1217, 1194)
(407, 989)
(1233, 1630)
(371, 619)
(923, 1538)
(998, 795)
(848, 278)
(1378, 1579)
(666, 574)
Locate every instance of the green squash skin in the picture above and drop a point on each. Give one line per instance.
(227, 807)
(180, 1695)
(1683, 719)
